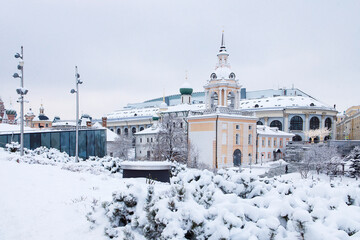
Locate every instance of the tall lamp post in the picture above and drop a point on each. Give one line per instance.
(22, 92)
(77, 82)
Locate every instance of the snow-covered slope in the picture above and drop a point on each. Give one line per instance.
(46, 195)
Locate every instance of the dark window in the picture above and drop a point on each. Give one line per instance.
(118, 131)
(328, 123)
(256, 105)
(237, 126)
(314, 123)
(296, 123)
(141, 128)
(312, 104)
(133, 130)
(181, 125)
(148, 154)
(297, 138)
(276, 123)
(259, 123)
(126, 131)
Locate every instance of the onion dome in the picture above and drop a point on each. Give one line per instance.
(186, 89)
(43, 117)
(10, 112)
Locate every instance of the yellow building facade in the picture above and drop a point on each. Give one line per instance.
(223, 140)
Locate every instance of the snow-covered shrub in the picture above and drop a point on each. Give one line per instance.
(12, 147)
(354, 158)
(231, 205)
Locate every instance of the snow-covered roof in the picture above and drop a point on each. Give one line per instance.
(272, 131)
(6, 128)
(283, 101)
(64, 123)
(133, 113)
(150, 130)
(223, 72)
(185, 107)
(110, 136)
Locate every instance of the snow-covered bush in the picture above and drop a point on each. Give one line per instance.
(231, 205)
(354, 158)
(52, 156)
(12, 147)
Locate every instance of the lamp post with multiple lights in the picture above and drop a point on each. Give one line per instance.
(77, 82)
(22, 92)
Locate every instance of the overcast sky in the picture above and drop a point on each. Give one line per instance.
(129, 51)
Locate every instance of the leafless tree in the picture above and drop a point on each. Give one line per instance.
(171, 141)
(121, 146)
(321, 158)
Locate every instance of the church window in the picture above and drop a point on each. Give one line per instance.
(328, 123)
(237, 139)
(250, 139)
(276, 123)
(296, 123)
(314, 123)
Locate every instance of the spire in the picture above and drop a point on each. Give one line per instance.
(222, 47)
(222, 39)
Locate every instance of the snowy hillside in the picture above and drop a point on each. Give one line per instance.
(46, 195)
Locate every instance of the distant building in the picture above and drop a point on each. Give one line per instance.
(349, 127)
(41, 121)
(271, 143)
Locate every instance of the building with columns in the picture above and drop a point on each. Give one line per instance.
(289, 109)
(293, 112)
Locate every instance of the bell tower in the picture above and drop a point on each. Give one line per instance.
(222, 89)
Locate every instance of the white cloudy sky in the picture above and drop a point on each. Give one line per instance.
(129, 51)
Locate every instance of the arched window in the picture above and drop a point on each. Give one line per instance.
(237, 157)
(326, 138)
(213, 76)
(232, 75)
(328, 123)
(259, 123)
(118, 131)
(314, 123)
(133, 130)
(141, 128)
(297, 138)
(231, 100)
(316, 140)
(126, 131)
(256, 105)
(276, 123)
(214, 99)
(296, 123)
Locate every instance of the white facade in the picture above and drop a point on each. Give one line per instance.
(271, 143)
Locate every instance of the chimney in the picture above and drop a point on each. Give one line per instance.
(104, 121)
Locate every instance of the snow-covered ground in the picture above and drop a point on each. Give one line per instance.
(45, 195)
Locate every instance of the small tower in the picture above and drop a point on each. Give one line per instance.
(222, 89)
(10, 115)
(29, 117)
(163, 106)
(186, 92)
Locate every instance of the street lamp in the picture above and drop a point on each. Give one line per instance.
(77, 82)
(22, 92)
